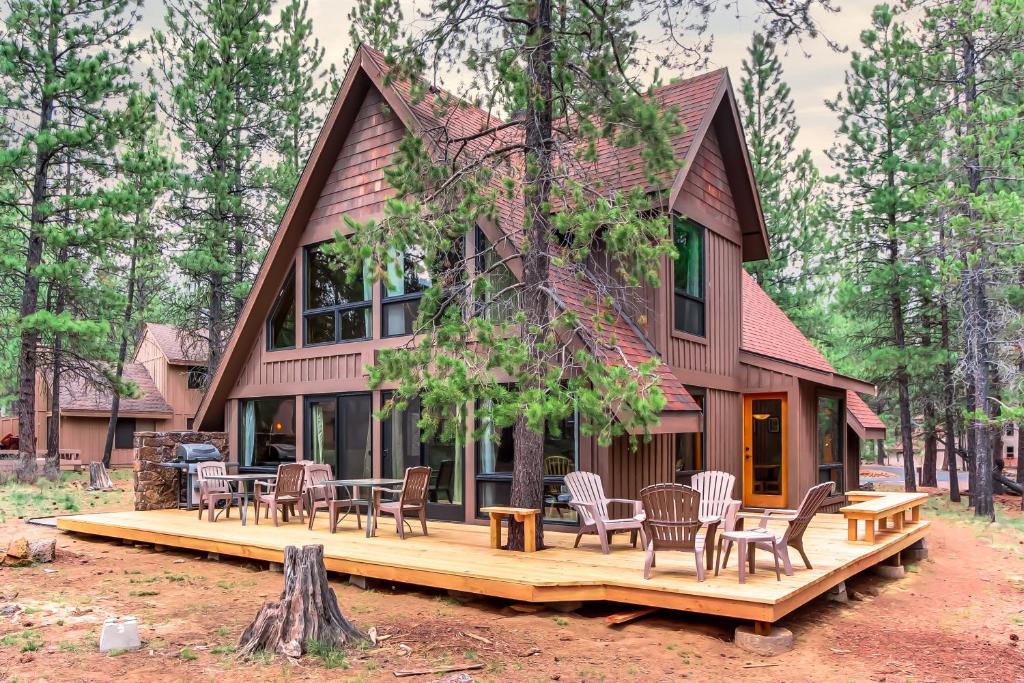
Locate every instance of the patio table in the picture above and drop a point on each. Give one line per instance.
(354, 485)
(240, 481)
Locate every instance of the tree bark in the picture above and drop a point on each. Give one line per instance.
(122, 353)
(307, 611)
(51, 468)
(928, 464)
(948, 389)
(880, 451)
(528, 456)
(27, 356)
(902, 376)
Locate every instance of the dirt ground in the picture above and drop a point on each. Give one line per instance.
(956, 616)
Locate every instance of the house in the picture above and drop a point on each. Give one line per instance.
(170, 372)
(746, 392)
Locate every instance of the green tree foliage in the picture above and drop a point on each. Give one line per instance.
(880, 158)
(794, 197)
(67, 98)
(217, 69)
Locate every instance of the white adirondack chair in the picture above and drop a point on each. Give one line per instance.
(590, 503)
(716, 504)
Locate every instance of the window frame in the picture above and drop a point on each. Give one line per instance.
(840, 463)
(118, 432)
(274, 310)
(676, 292)
(194, 371)
(336, 309)
(241, 428)
(386, 301)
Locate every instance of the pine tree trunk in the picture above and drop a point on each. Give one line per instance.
(122, 352)
(929, 476)
(902, 376)
(880, 451)
(528, 457)
(307, 611)
(51, 468)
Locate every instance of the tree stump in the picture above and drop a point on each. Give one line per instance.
(99, 480)
(308, 610)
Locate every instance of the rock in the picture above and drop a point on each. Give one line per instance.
(838, 593)
(44, 550)
(890, 571)
(778, 641)
(122, 635)
(564, 607)
(18, 549)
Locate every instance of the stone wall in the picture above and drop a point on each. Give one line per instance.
(156, 488)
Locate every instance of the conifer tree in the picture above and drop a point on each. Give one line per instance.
(794, 200)
(217, 70)
(66, 96)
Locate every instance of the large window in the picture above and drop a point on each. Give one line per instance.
(406, 281)
(690, 446)
(338, 433)
(267, 431)
(494, 469)
(281, 323)
(689, 277)
(402, 447)
(498, 300)
(124, 433)
(831, 421)
(337, 308)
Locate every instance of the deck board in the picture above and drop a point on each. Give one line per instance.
(458, 557)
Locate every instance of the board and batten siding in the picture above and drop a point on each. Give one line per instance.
(171, 381)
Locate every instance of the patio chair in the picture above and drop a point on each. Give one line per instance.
(590, 503)
(794, 534)
(556, 496)
(212, 492)
(716, 502)
(314, 493)
(412, 498)
(284, 494)
(442, 481)
(671, 521)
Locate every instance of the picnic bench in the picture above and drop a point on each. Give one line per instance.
(70, 458)
(527, 516)
(880, 507)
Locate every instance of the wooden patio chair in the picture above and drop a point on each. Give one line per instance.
(285, 493)
(314, 493)
(798, 520)
(590, 503)
(556, 496)
(671, 521)
(212, 492)
(716, 502)
(412, 498)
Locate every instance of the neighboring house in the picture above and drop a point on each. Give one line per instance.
(746, 392)
(1007, 445)
(169, 380)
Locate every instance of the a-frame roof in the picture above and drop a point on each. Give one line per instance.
(701, 101)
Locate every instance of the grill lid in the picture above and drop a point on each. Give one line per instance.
(196, 452)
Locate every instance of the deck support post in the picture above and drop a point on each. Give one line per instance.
(764, 638)
(916, 551)
(891, 568)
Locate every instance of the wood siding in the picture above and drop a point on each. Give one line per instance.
(88, 436)
(707, 185)
(171, 381)
(356, 185)
(275, 373)
(629, 471)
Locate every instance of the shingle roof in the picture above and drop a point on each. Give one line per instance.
(862, 412)
(77, 395)
(179, 346)
(767, 331)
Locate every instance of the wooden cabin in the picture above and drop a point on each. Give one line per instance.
(169, 369)
(747, 392)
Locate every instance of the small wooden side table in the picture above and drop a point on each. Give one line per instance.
(747, 542)
(525, 515)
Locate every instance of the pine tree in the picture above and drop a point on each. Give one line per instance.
(566, 74)
(66, 96)
(880, 161)
(217, 70)
(307, 89)
(794, 200)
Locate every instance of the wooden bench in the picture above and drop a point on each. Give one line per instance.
(879, 506)
(525, 515)
(72, 459)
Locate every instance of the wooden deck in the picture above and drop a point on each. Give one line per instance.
(457, 557)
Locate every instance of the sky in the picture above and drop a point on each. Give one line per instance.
(813, 70)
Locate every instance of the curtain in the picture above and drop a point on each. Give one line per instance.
(368, 453)
(368, 296)
(398, 445)
(248, 432)
(316, 419)
(459, 451)
(488, 461)
(693, 257)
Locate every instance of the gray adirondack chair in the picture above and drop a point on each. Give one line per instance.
(671, 521)
(590, 503)
(716, 502)
(798, 520)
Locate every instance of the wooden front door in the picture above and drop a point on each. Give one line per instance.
(764, 450)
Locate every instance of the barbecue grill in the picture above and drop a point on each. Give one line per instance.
(186, 457)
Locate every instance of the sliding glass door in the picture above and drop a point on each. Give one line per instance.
(338, 433)
(402, 447)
